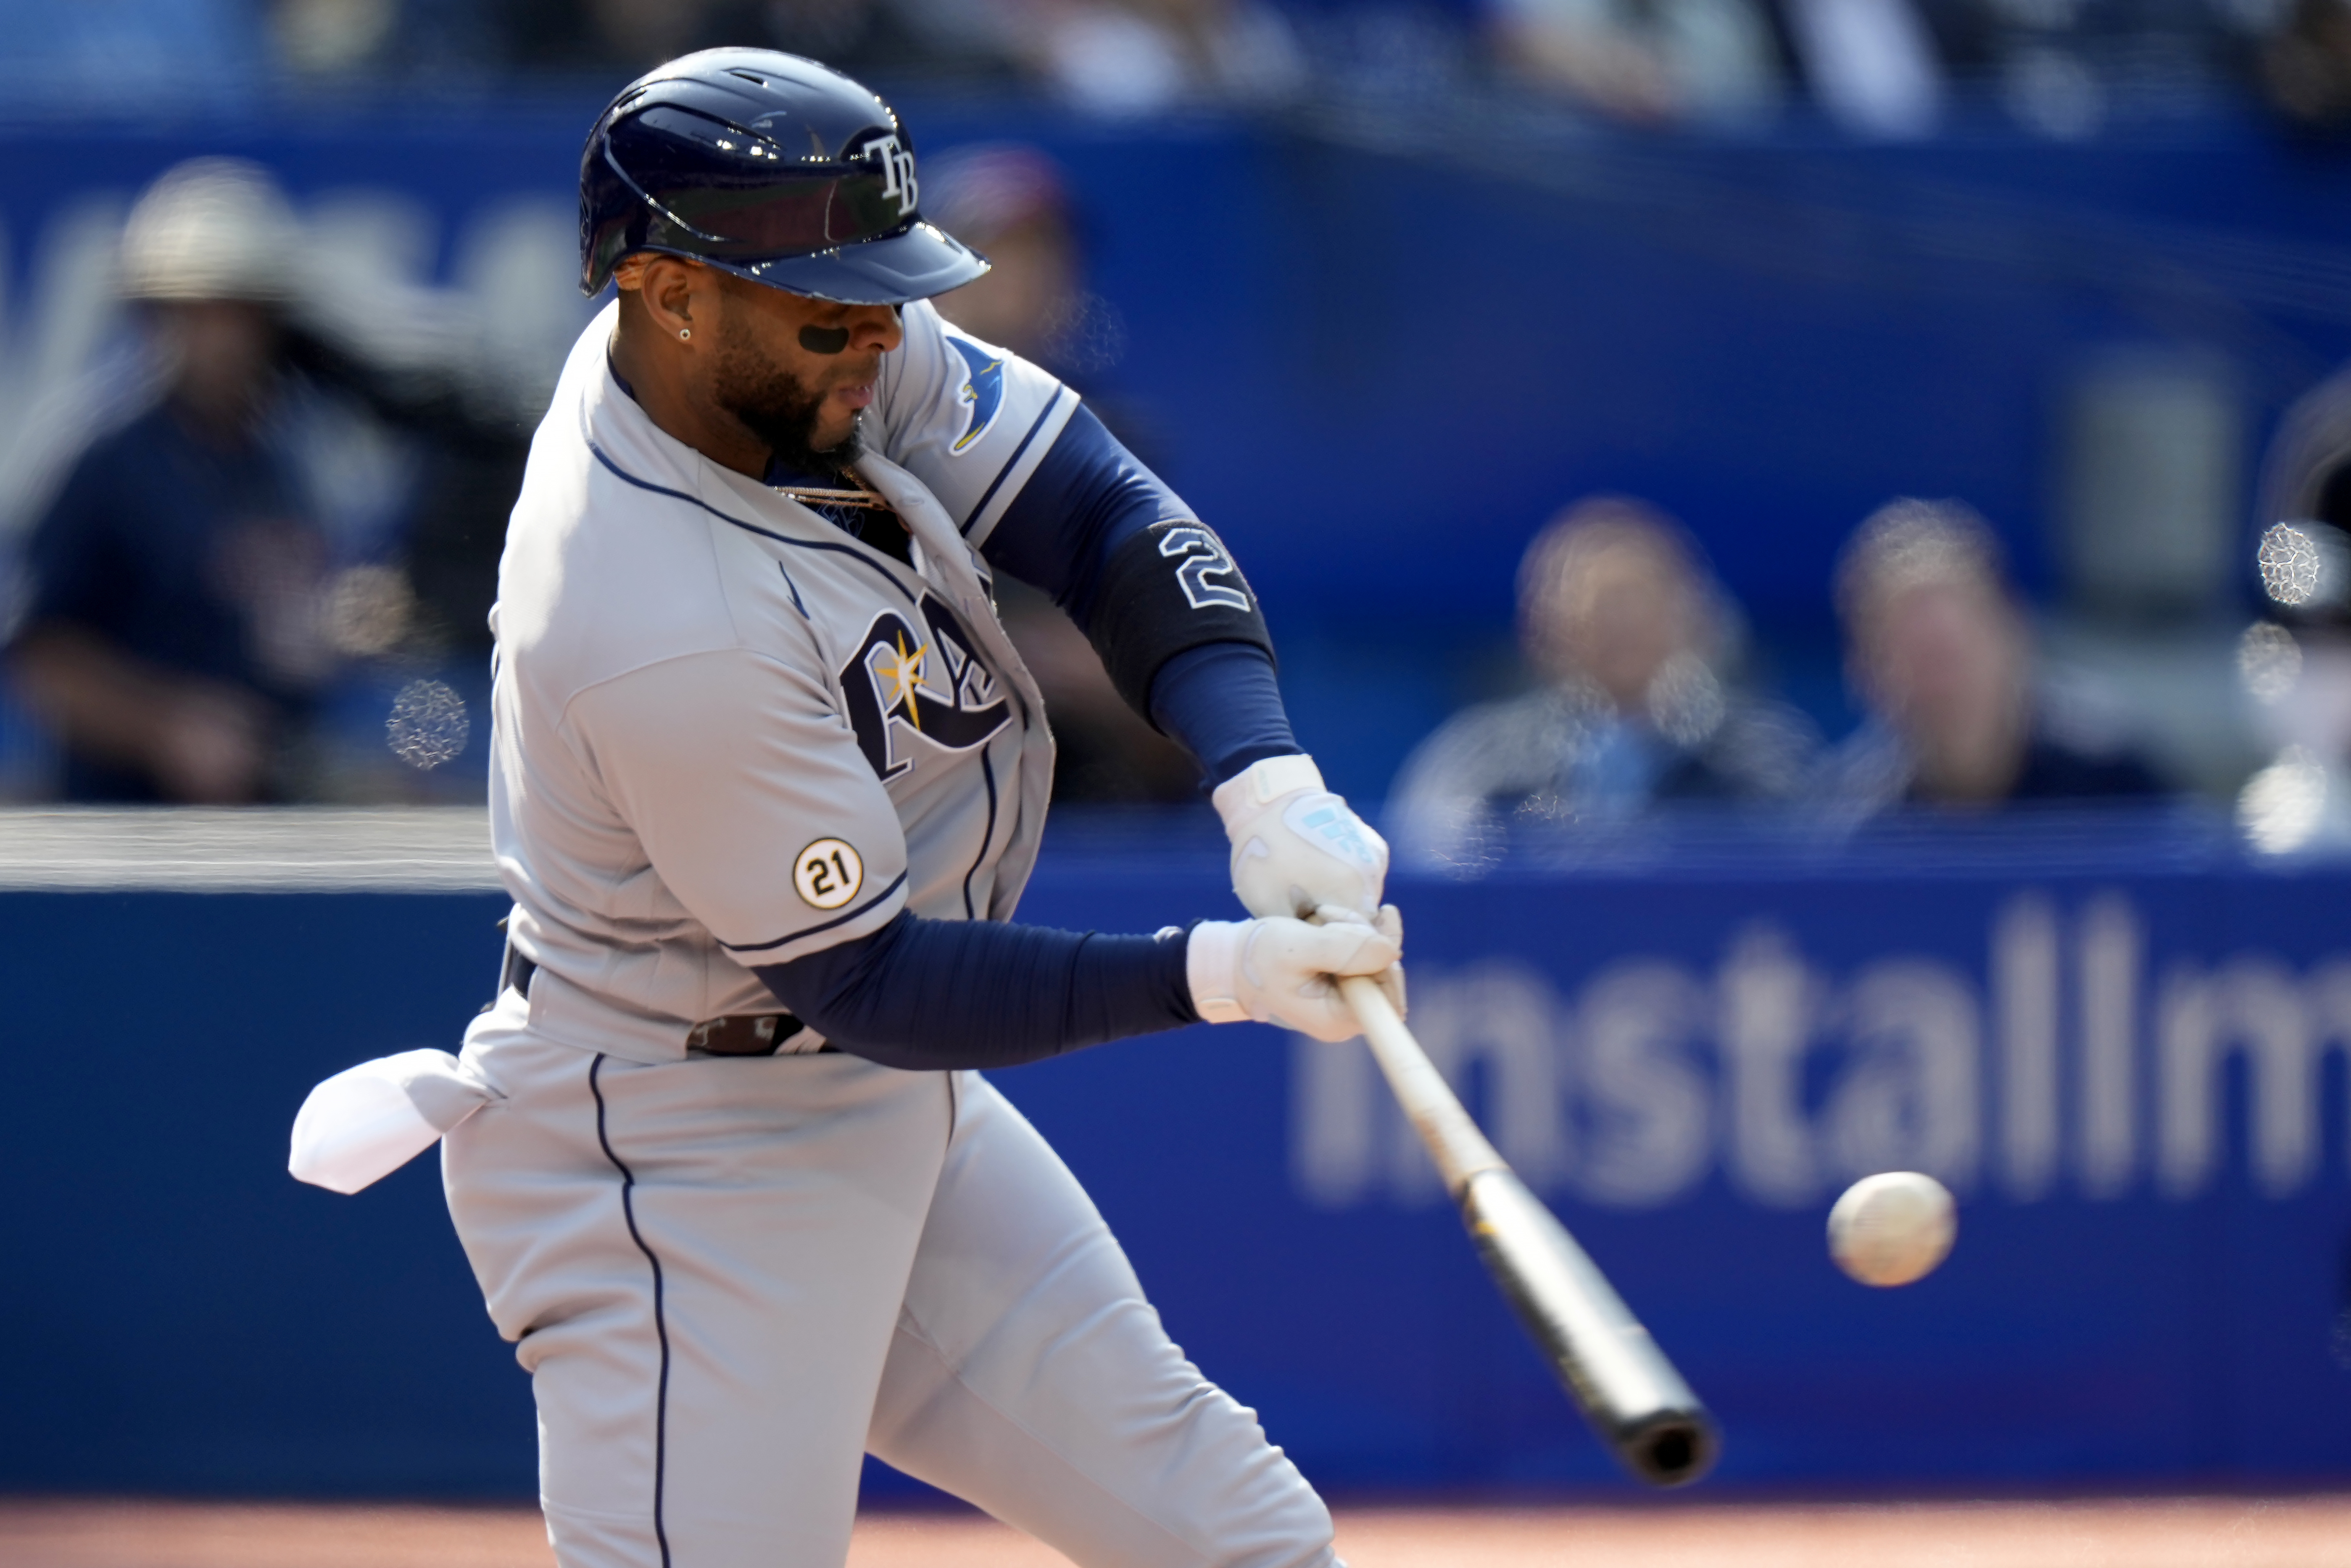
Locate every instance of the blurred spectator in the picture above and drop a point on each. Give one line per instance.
(1644, 61)
(1144, 57)
(317, 38)
(2065, 67)
(1396, 53)
(621, 38)
(225, 535)
(1942, 657)
(2306, 63)
(1872, 66)
(171, 632)
(1895, 69)
(1011, 202)
(1628, 635)
(894, 37)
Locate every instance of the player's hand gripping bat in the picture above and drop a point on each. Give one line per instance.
(1613, 1369)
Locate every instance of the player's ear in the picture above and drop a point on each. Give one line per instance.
(669, 295)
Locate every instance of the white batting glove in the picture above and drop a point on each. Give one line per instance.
(1296, 848)
(1280, 971)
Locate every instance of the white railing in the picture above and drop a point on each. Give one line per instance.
(287, 849)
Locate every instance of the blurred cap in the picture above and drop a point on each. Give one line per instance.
(1908, 543)
(1556, 573)
(212, 228)
(979, 191)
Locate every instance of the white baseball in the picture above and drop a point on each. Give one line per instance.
(1893, 1229)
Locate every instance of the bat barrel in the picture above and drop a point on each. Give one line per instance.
(1615, 1371)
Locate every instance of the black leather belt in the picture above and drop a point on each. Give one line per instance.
(742, 1035)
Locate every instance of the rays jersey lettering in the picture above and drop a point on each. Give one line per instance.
(908, 686)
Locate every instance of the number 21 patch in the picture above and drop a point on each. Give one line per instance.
(828, 873)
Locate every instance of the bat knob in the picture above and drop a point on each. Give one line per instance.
(1674, 1452)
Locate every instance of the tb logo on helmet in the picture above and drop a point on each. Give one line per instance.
(897, 170)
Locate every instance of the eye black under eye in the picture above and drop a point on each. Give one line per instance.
(824, 339)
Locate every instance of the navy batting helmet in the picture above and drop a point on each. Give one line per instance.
(774, 168)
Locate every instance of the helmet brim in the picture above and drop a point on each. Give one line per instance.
(925, 260)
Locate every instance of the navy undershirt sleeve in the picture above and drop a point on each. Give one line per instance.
(1088, 497)
(1220, 704)
(933, 995)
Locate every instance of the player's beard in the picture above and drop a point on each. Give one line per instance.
(776, 406)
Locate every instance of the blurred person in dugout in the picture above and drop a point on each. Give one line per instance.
(933, 38)
(285, 485)
(1631, 639)
(1940, 653)
(1011, 202)
(1875, 67)
(1894, 69)
(1111, 57)
(169, 629)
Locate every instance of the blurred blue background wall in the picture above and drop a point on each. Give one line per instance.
(1378, 346)
(2125, 1051)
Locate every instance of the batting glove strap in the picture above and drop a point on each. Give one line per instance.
(1212, 966)
(1280, 971)
(1262, 783)
(1296, 848)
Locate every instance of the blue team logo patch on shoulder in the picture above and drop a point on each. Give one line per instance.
(983, 391)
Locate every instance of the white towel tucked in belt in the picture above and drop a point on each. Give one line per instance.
(366, 1122)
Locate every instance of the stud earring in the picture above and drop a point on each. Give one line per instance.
(685, 332)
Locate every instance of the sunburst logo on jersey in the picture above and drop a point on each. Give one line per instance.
(901, 674)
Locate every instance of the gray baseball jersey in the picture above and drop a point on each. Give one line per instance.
(725, 733)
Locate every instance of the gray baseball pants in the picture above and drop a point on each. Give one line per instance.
(729, 1278)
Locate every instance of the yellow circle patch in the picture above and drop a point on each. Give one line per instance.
(828, 873)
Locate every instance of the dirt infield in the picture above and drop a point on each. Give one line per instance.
(2171, 1532)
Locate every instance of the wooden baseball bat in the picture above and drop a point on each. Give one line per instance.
(1611, 1367)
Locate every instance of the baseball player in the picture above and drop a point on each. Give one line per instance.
(767, 780)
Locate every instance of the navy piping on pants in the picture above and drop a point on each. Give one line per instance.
(661, 1323)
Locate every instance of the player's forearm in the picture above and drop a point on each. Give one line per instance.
(930, 996)
(1177, 626)
(1220, 702)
